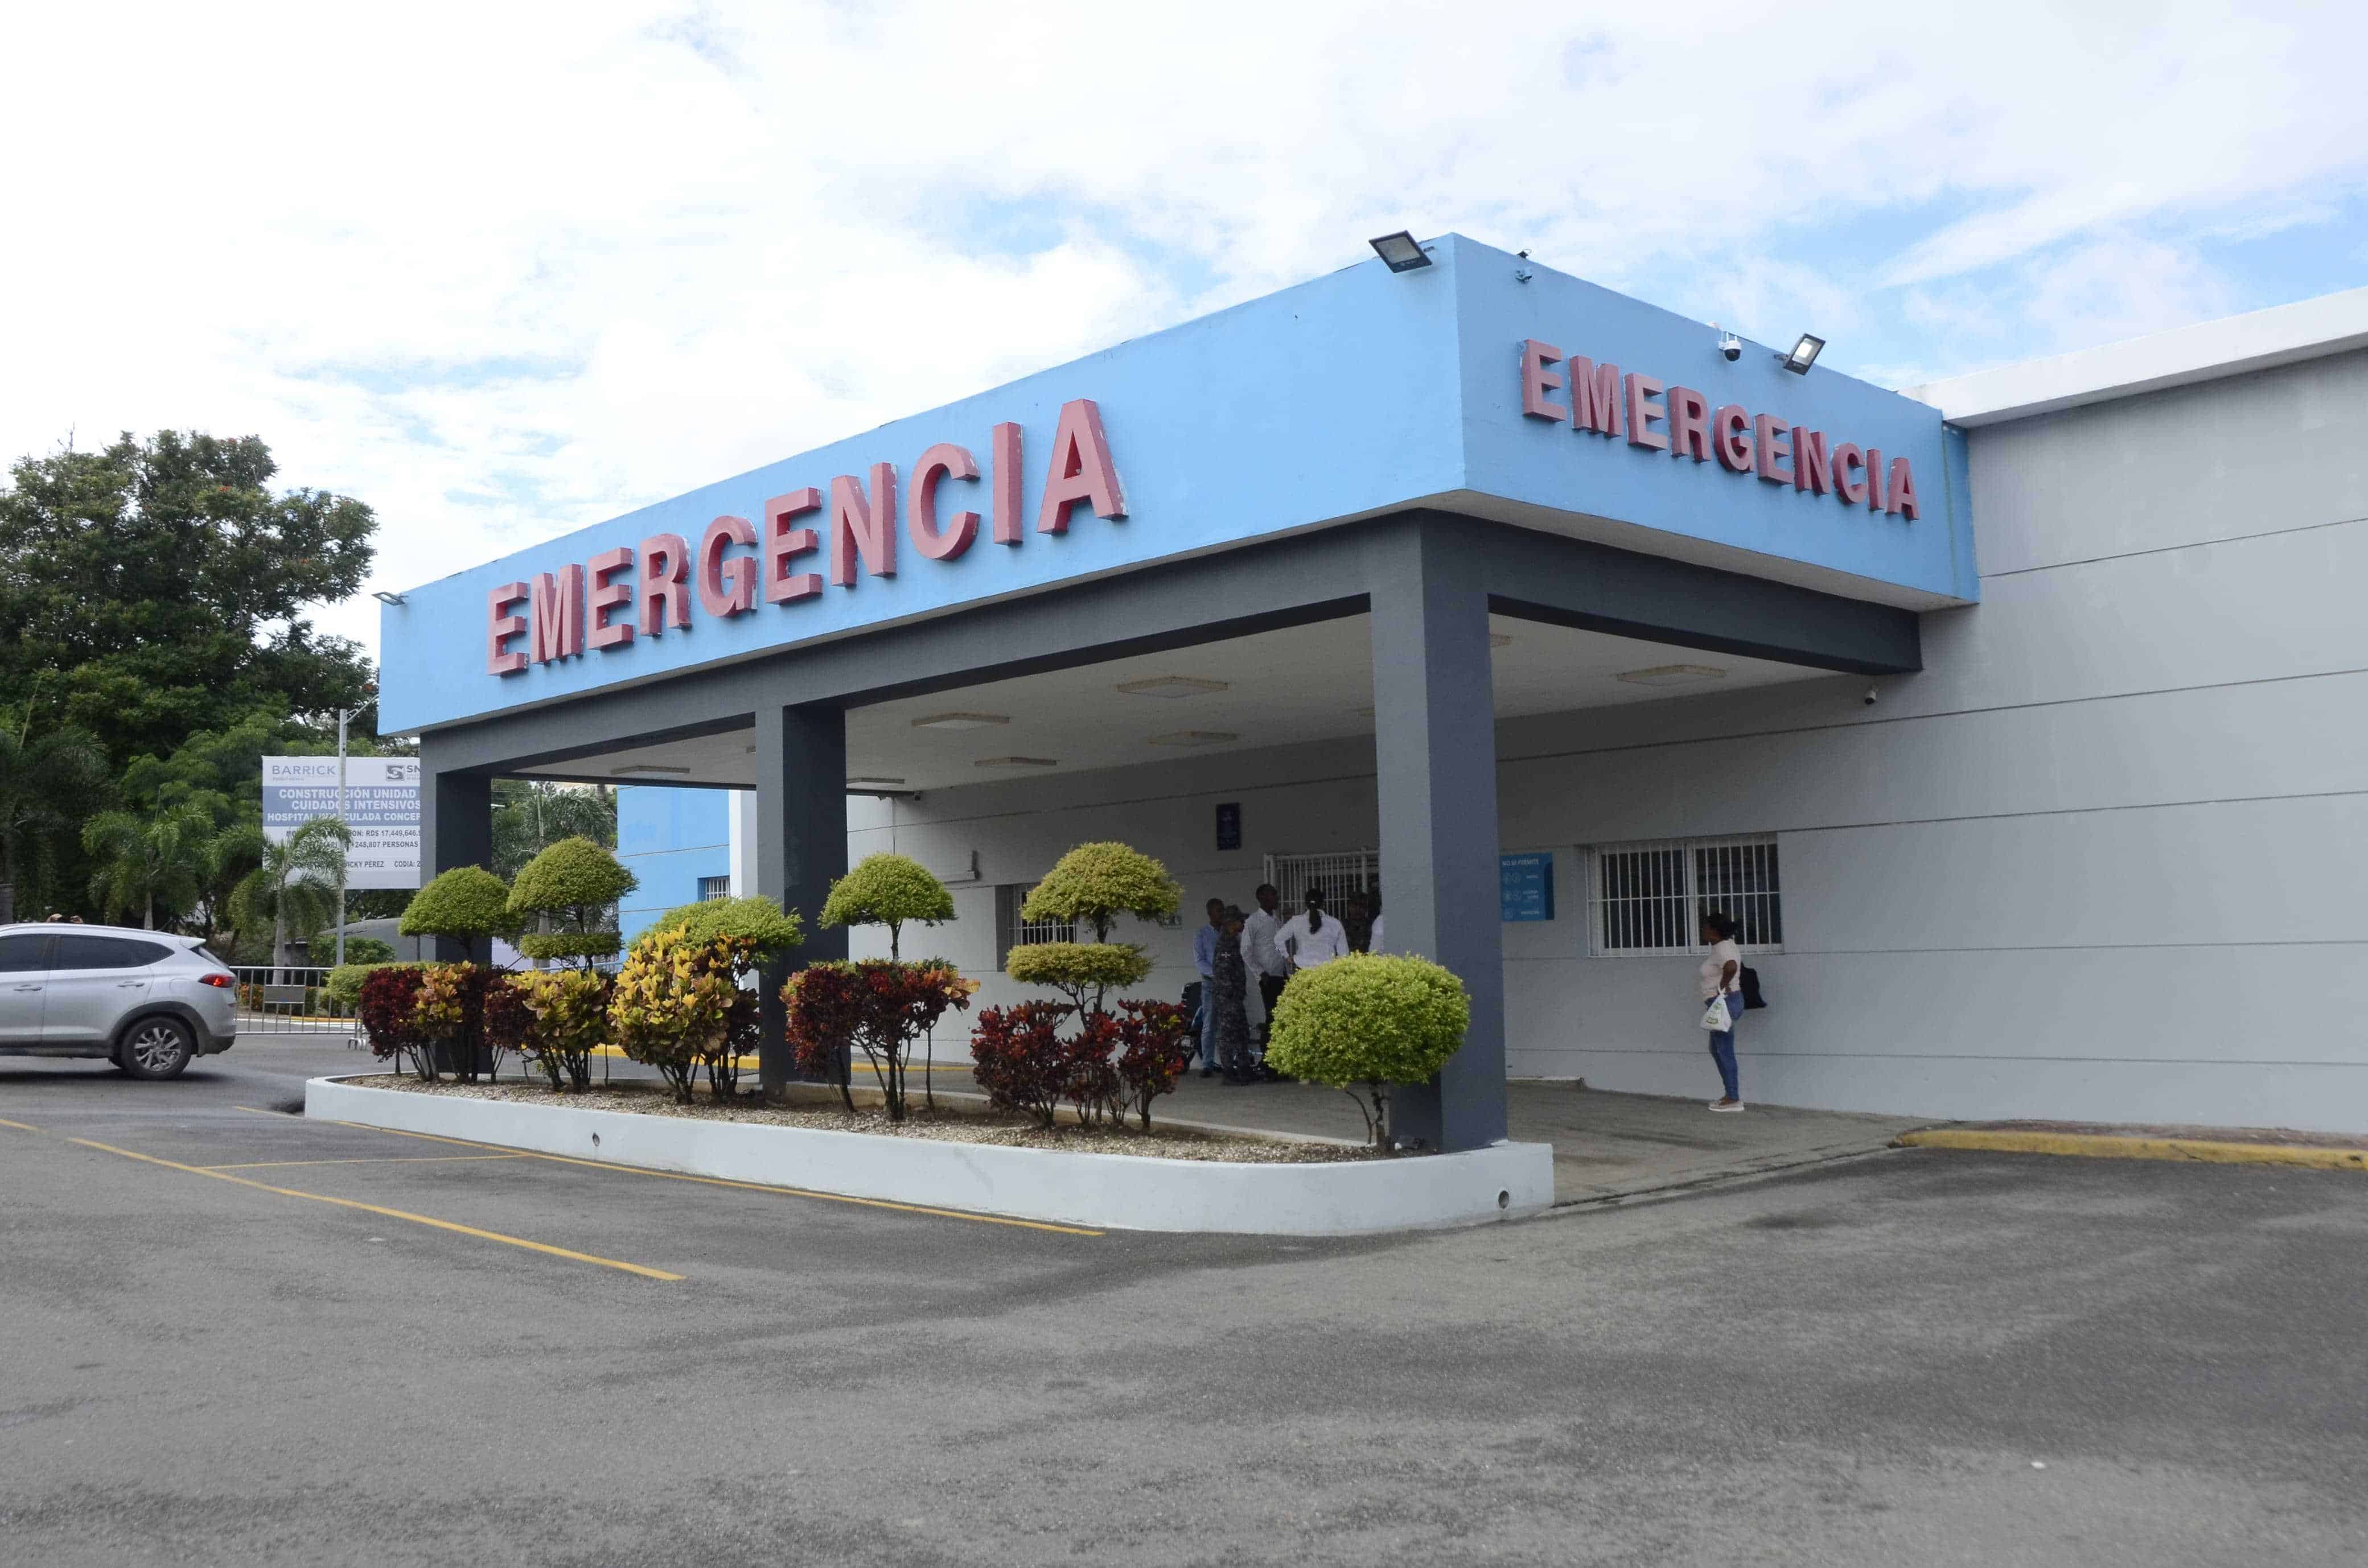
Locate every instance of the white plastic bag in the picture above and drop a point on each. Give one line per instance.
(1716, 1017)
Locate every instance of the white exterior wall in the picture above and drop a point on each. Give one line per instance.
(2105, 858)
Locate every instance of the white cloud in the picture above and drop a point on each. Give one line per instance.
(502, 270)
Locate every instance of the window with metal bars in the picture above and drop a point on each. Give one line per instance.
(1018, 933)
(1648, 900)
(711, 888)
(1338, 874)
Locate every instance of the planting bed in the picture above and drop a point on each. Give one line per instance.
(1177, 1180)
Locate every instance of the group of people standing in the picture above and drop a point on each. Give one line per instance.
(1233, 948)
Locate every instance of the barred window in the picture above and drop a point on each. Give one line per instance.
(1014, 932)
(1650, 899)
(1335, 875)
(714, 887)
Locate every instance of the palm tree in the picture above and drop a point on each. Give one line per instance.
(297, 880)
(45, 786)
(142, 860)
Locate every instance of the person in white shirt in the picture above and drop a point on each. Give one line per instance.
(1269, 966)
(1309, 938)
(1374, 945)
(1722, 975)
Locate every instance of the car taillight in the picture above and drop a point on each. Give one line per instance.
(219, 982)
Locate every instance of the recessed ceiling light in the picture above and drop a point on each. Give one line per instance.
(1018, 762)
(1171, 686)
(961, 721)
(872, 778)
(1193, 738)
(1500, 640)
(646, 768)
(1671, 674)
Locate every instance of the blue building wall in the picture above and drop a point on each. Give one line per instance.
(669, 838)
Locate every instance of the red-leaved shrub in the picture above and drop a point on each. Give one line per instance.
(1153, 1046)
(388, 998)
(879, 1007)
(1020, 1059)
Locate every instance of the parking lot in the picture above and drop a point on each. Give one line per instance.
(230, 1336)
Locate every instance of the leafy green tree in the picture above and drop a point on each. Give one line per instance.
(295, 885)
(1093, 885)
(144, 861)
(575, 884)
(465, 904)
(888, 890)
(47, 783)
(159, 587)
(770, 934)
(530, 816)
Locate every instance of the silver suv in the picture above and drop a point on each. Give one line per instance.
(146, 1001)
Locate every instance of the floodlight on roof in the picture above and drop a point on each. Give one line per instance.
(1804, 354)
(1400, 252)
(382, 596)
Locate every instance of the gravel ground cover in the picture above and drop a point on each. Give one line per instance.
(948, 1123)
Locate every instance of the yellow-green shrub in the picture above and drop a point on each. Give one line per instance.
(1366, 1022)
(569, 1009)
(1078, 968)
(673, 1005)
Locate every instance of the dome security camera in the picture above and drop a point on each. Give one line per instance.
(1871, 695)
(1730, 346)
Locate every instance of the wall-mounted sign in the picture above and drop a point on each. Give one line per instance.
(1229, 825)
(628, 592)
(381, 809)
(1602, 402)
(1525, 885)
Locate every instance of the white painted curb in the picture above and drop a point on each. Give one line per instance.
(1131, 1192)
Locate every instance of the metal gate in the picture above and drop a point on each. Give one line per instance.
(289, 999)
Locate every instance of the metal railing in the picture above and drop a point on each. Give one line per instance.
(288, 999)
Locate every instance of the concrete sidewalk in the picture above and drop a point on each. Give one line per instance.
(1606, 1145)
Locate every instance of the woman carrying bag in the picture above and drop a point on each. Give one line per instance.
(1722, 1002)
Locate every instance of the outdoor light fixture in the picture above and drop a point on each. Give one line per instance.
(1671, 674)
(1193, 738)
(872, 778)
(1804, 354)
(1399, 252)
(961, 721)
(1018, 762)
(382, 596)
(1171, 686)
(646, 768)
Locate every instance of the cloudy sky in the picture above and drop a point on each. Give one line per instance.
(502, 270)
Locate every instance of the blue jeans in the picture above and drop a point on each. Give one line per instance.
(1722, 1046)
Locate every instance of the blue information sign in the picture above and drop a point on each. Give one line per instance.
(1229, 825)
(1526, 884)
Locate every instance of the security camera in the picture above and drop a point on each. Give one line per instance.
(1872, 693)
(1730, 346)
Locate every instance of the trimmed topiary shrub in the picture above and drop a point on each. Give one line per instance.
(343, 985)
(572, 885)
(1095, 883)
(467, 902)
(1079, 969)
(566, 1021)
(758, 920)
(1367, 1022)
(888, 890)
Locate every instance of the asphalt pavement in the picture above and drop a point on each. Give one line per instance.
(228, 1335)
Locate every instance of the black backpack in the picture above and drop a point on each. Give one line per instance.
(1752, 997)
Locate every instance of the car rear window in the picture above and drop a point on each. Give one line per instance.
(23, 952)
(105, 952)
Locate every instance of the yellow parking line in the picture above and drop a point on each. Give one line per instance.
(380, 1160)
(388, 1213)
(20, 1126)
(749, 1185)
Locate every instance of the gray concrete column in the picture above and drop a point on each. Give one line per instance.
(801, 846)
(1435, 751)
(456, 828)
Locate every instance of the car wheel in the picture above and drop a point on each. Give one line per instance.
(156, 1047)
